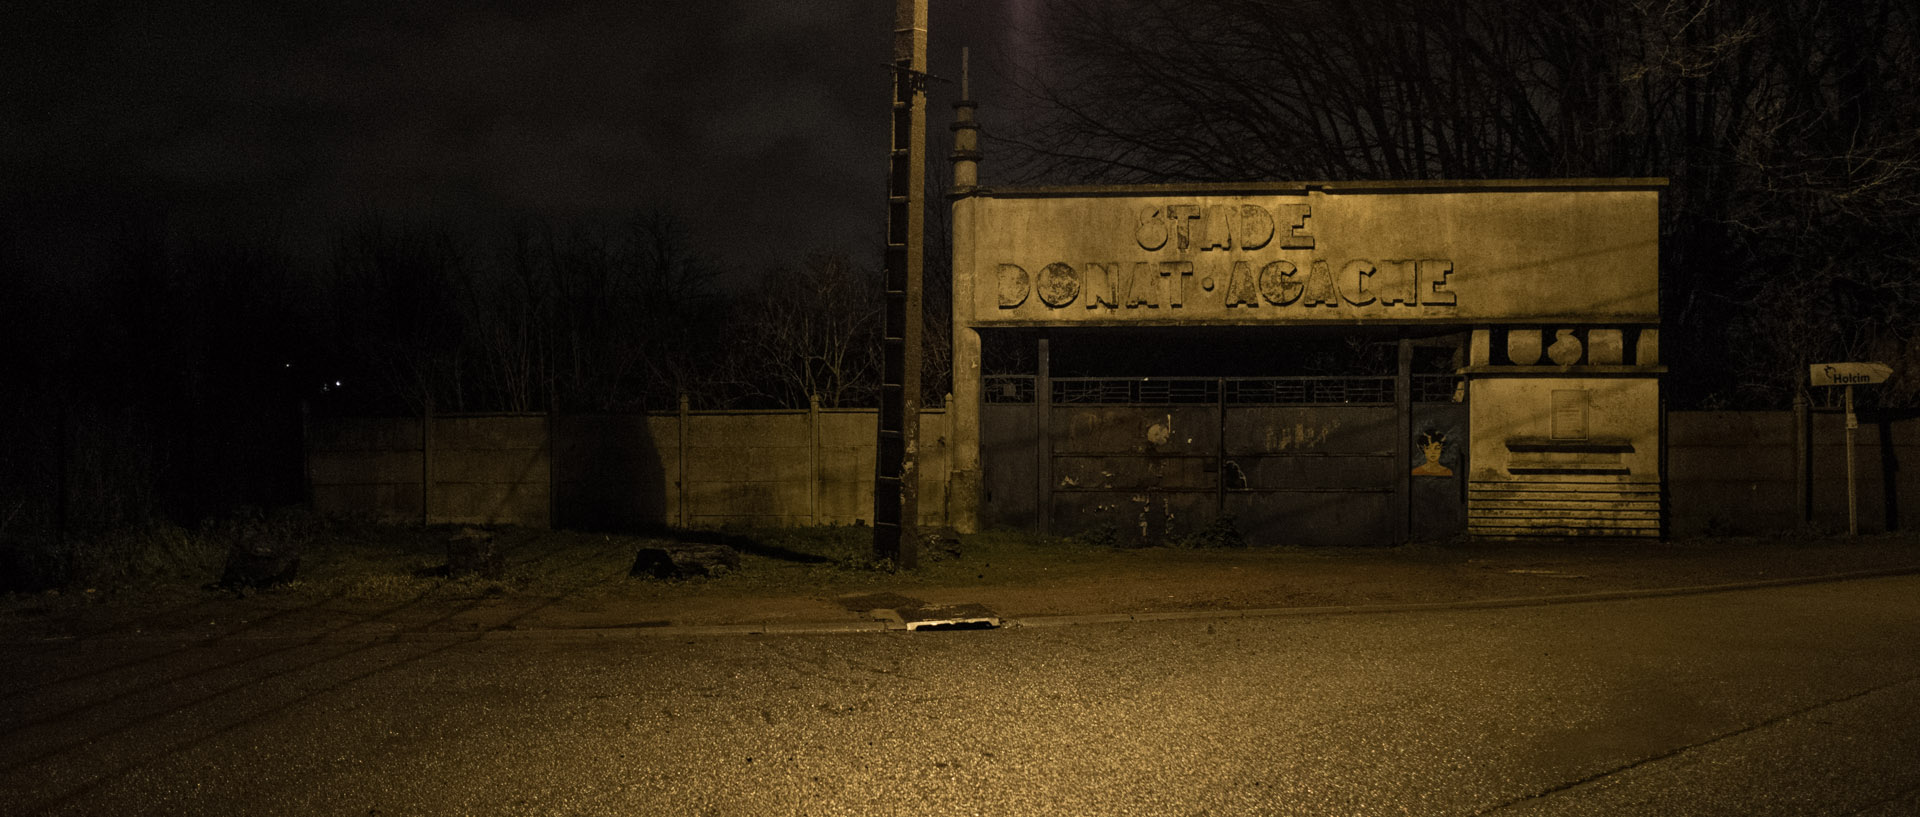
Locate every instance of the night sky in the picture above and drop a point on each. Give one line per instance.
(760, 125)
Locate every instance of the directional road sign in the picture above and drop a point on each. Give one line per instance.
(1850, 374)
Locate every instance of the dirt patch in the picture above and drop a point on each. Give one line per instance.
(571, 580)
(867, 602)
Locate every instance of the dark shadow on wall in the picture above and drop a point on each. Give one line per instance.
(1886, 422)
(607, 474)
(610, 477)
(741, 542)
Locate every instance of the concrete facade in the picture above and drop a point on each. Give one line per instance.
(1556, 283)
(1564, 456)
(697, 469)
(1726, 472)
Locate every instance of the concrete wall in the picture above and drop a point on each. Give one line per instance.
(366, 466)
(489, 470)
(1727, 472)
(699, 469)
(1733, 472)
(483, 469)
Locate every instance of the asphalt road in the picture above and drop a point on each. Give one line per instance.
(1791, 701)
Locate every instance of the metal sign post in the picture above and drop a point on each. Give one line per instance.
(1850, 375)
(1853, 492)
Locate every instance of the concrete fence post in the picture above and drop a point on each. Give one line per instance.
(426, 462)
(681, 480)
(553, 460)
(63, 433)
(946, 450)
(813, 458)
(1803, 456)
(306, 454)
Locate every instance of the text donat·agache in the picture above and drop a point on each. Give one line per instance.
(1199, 279)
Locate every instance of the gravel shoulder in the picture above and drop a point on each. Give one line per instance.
(1012, 576)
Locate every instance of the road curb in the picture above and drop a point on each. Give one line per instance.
(1472, 604)
(821, 627)
(1080, 619)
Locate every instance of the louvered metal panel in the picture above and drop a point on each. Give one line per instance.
(1563, 506)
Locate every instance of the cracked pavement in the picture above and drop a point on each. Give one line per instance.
(1793, 699)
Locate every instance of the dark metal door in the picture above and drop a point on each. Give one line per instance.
(1290, 460)
(1311, 460)
(1135, 460)
(1010, 454)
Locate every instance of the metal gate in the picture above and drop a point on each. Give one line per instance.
(1290, 460)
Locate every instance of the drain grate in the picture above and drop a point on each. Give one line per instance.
(969, 624)
(914, 614)
(950, 617)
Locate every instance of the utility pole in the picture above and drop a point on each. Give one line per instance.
(896, 479)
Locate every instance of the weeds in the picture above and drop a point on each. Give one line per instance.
(1102, 536)
(373, 587)
(357, 560)
(285, 529)
(133, 558)
(1219, 533)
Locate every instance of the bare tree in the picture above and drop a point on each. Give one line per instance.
(1790, 132)
(512, 303)
(680, 311)
(810, 330)
(595, 318)
(395, 291)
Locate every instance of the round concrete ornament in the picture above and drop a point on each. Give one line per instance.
(1566, 349)
(1523, 346)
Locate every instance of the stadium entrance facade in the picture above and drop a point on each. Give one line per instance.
(1351, 363)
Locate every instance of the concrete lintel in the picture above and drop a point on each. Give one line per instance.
(1563, 371)
(1305, 187)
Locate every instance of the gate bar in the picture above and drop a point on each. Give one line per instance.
(1403, 445)
(1043, 423)
(1220, 455)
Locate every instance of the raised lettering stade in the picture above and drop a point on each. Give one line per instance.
(1186, 227)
